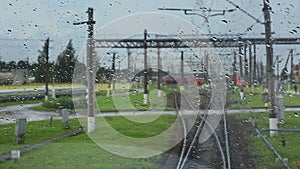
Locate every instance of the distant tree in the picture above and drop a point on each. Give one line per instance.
(103, 75)
(39, 69)
(65, 64)
(80, 72)
(11, 65)
(3, 65)
(23, 64)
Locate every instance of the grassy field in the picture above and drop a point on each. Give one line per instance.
(35, 132)
(135, 102)
(254, 100)
(4, 104)
(264, 157)
(34, 85)
(292, 146)
(79, 151)
(102, 86)
(119, 100)
(253, 97)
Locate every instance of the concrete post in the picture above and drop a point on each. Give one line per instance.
(145, 99)
(279, 104)
(20, 130)
(159, 67)
(53, 92)
(15, 154)
(65, 117)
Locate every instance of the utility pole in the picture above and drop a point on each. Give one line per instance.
(259, 71)
(250, 65)
(206, 68)
(47, 70)
(145, 69)
(159, 67)
(234, 68)
(270, 71)
(246, 64)
(181, 69)
(129, 60)
(278, 75)
(292, 62)
(254, 63)
(113, 69)
(90, 69)
(241, 65)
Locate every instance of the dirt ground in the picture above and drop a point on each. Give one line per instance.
(240, 153)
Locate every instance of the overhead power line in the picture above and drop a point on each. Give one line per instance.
(244, 11)
(20, 39)
(189, 11)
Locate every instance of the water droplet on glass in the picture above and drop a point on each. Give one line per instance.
(296, 114)
(224, 21)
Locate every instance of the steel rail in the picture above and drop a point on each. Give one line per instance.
(203, 121)
(184, 134)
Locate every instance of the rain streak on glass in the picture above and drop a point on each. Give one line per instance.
(211, 84)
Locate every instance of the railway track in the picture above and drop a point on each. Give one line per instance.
(190, 156)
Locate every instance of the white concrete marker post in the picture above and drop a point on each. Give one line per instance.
(53, 92)
(91, 124)
(273, 125)
(159, 93)
(145, 98)
(15, 154)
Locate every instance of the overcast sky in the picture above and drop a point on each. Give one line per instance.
(25, 23)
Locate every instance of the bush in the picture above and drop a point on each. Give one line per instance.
(59, 103)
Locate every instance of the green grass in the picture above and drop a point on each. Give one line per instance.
(4, 104)
(35, 132)
(33, 85)
(255, 101)
(73, 153)
(265, 158)
(134, 101)
(80, 151)
(120, 100)
(141, 130)
(292, 147)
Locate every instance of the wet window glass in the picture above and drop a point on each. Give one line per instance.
(149, 84)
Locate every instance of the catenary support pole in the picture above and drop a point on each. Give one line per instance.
(91, 71)
(250, 66)
(113, 69)
(181, 70)
(145, 100)
(270, 71)
(46, 70)
(159, 67)
(254, 63)
(246, 64)
(291, 74)
(234, 70)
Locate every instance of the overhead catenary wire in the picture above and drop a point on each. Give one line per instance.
(251, 26)
(205, 16)
(22, 39)
(244, 11)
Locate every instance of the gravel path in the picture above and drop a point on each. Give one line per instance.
(24, 111)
